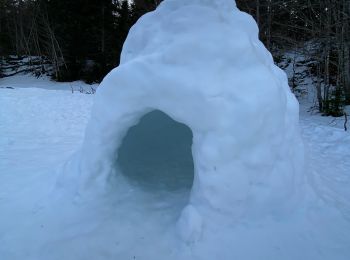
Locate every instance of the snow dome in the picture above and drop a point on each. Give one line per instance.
(200, 62)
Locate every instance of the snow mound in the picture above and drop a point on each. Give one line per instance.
(201, 63)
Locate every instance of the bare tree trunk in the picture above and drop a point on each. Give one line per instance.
(319, 88)
(269, 24)
(103, 29)
(346, 49)
(258, 12)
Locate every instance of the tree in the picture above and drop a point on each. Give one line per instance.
(321, 30)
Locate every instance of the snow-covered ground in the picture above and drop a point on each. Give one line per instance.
(42, 124)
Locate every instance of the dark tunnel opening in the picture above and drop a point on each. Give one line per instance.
(156, 154)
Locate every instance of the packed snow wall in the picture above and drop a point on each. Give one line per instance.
(201, 63)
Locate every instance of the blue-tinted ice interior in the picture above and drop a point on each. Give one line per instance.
(156, 154)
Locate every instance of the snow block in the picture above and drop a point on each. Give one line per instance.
(201, 63)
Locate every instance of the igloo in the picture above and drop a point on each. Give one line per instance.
(201, 63)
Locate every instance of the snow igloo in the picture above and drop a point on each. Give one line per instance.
(201, 63)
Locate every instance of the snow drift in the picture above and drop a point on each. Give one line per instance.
(201, 63)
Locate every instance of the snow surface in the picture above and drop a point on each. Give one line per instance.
(29, 81)
(40, 129)
(249, 198)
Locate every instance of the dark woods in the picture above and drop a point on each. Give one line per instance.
(319, 32)
(82, 39)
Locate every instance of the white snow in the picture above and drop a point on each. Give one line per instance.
(41, 128)
(63, 192)
(29, 81)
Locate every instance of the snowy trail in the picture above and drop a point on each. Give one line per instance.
(329, 152)
(40, 129)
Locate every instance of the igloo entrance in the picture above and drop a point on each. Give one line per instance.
(156, 155)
